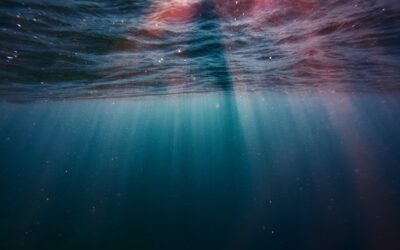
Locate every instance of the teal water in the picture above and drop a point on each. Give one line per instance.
(259, 170)
(199, 124)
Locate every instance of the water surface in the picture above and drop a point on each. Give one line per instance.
(190, 124)
(75, 49)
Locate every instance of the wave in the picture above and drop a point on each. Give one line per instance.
(79, 49)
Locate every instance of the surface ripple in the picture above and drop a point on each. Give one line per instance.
(91, 49)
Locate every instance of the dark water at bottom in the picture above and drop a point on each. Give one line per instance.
(212, 171)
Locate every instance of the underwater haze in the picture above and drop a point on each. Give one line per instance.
(200, 124)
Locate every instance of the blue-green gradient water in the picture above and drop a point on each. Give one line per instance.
(199, 125)
(259, 170)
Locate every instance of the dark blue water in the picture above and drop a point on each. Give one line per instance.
(200, 124)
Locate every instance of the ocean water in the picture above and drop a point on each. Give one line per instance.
(199, 124)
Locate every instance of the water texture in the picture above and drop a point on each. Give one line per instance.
(80, 49)
(199, 124)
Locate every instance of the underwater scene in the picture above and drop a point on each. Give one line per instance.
(200, 124)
